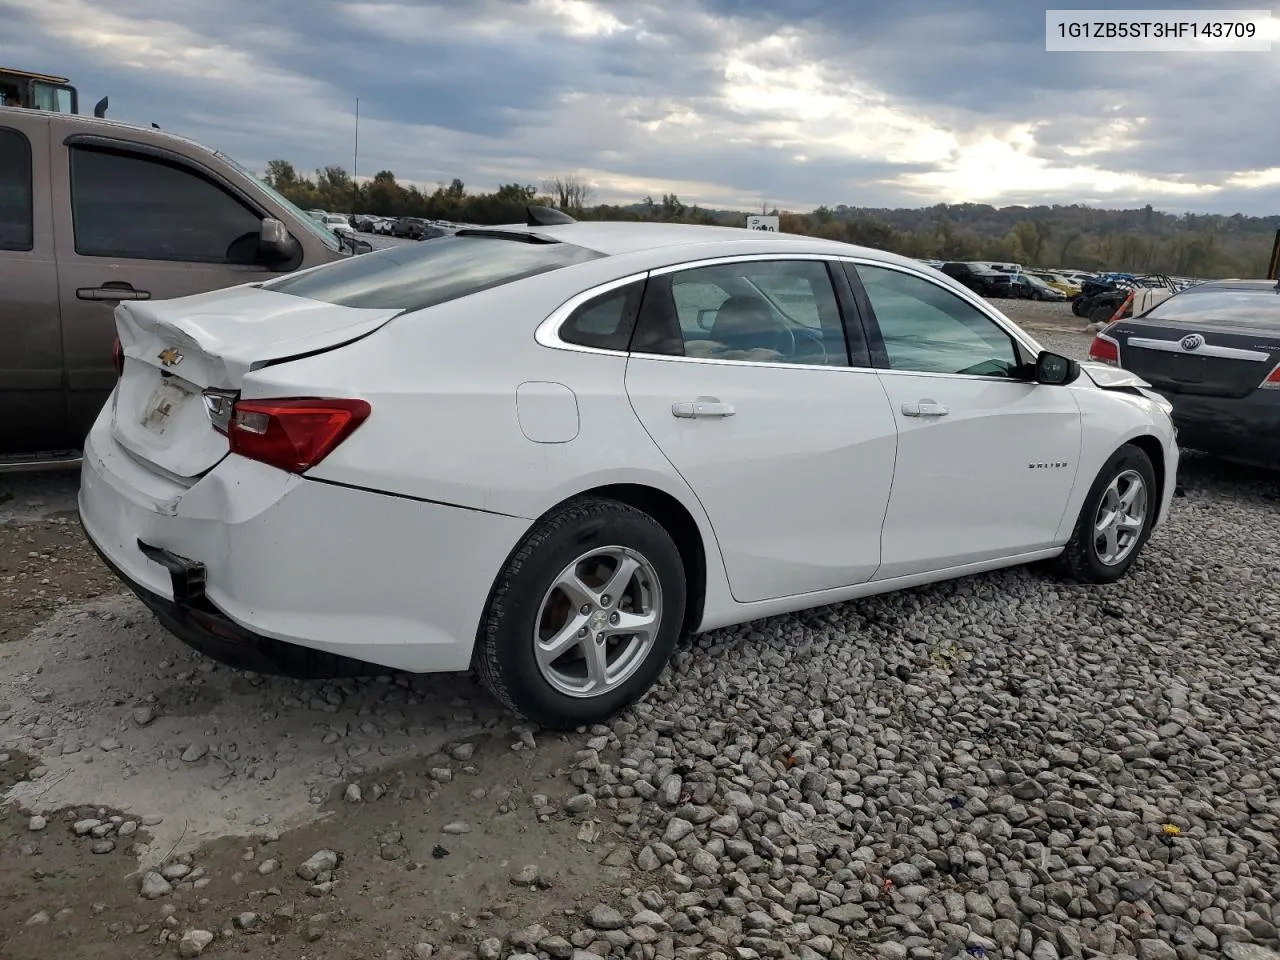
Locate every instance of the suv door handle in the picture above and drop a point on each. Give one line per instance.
(113, 290)
(703, 408)
(925, 408)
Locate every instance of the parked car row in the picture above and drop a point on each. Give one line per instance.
(999, 281)
(1095, 296)
(413, 228)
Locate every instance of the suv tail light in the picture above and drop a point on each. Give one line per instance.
(117, 358)
(294, 434)
(1273, 380)
(1105, 350)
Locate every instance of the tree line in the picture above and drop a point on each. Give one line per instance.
(1075, 236)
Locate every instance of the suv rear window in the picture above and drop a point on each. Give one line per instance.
(420, 275)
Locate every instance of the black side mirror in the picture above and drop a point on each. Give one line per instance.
(1055, 370)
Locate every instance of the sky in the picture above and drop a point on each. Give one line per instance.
(726, 103)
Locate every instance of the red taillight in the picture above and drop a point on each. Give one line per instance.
(1105, 350)
(117, 358)
(1273, 380)
(293, 435)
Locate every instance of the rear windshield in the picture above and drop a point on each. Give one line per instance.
(423, 274)
(1259, 307)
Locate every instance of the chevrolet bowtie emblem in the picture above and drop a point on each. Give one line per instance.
(170, 357)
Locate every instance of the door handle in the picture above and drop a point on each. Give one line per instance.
(113, 290)
(703, 408)
(925, 408)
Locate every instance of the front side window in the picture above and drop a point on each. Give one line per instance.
(927, 328)
(135, 207)
(773, 311)
(420, 275)
(16, 231)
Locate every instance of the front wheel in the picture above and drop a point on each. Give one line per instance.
(1115, 520)
(584, 616)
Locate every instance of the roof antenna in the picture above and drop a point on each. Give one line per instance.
(536, 216)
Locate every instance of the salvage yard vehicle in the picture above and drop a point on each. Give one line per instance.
(1214, 351)
(94, 212)
(37, 91)
(1103, 295)
(549, 450)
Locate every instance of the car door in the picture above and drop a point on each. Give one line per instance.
(986, 457)
(33, 417)
(137, 222)
(741, 374)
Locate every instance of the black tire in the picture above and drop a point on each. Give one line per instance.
(1080, 560)
(1102, 312)
(504, 657)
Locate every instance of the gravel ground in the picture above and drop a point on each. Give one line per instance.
(1007, 766)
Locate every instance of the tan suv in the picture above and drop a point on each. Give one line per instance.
(96, 211)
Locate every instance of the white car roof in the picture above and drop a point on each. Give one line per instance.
(615, 238)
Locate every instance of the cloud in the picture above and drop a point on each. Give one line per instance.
(724, 102)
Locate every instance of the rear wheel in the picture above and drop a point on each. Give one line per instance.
(1115, 520)
(584, 616)
(1102, 312)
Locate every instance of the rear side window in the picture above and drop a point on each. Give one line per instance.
(130, 206)
(606, 321)
(15, 192)
(1258, 307)
(422, 275)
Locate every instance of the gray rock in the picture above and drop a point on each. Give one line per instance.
(677, 830)
(194, 752)
(530, 936)
(604, 917)
(456, 828)
(153, 886)
(527, 876)
(193, 943)
(904, 874)
(322, 861)
(1155, 950)
(142, 716)
(1137, 889)
(247, 920)
(37, 823)
(581, 805)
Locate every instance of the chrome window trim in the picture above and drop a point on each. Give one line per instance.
(547, 333)
(1204, 350)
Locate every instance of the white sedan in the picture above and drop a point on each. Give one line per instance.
(547, 451)
(337, 223)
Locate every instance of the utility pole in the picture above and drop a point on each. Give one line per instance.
(355, 161)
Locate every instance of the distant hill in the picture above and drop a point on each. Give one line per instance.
(1068, 236)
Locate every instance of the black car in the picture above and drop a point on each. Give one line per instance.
(1213, 351)
(984, 282)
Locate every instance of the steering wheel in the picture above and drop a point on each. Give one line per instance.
(788, 335)
(812, 337)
